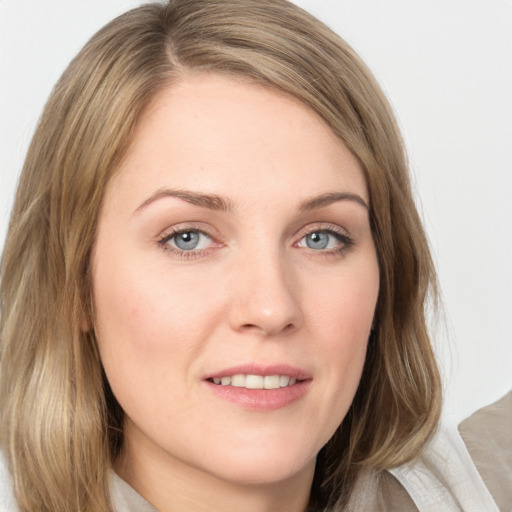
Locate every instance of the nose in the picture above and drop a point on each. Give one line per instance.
(265, 296)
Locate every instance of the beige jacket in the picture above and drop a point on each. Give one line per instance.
(469, 470)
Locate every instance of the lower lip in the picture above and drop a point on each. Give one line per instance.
(261, 399)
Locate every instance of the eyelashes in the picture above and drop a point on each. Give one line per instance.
(187, 242)
(191, 241)
(327, 240)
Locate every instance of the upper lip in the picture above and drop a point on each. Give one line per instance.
(263, 370)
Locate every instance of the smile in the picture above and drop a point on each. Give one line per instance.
(250, 381)
(260, 387)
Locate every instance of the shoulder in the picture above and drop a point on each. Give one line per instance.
(487, 435)
(470, 470)
(380, 492)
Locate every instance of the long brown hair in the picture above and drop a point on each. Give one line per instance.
(60, 425)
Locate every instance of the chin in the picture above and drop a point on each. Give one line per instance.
(263, 463)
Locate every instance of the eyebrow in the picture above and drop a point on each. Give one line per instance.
(329, 198)
(219, 203)
(210, 201)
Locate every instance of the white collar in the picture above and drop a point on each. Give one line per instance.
(445, 478)
(126, 499)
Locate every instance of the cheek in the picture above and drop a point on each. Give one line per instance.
(146, 304)
(342, 305)
(340, 319)
(149, 324)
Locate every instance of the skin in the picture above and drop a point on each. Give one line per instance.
(254, 291)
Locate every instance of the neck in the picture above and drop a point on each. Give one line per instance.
(171, 485)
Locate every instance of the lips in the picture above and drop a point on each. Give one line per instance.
(259, 387)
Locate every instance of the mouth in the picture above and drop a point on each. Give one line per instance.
(261, 388)
(251, 381)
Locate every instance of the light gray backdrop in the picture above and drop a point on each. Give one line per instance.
(446, 66)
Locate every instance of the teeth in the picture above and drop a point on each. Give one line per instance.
(238, 381)
(256, 381)
(271, 382)
(284, 381)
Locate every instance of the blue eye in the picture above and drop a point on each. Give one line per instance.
(189, 240)
(324, 239)
(318, 240)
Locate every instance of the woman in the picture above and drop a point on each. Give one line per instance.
(215, 276)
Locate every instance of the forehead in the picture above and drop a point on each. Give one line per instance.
(231, 136)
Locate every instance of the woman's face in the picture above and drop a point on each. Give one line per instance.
(235, 282)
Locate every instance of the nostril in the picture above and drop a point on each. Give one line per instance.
(250, 327)
(268, 330)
